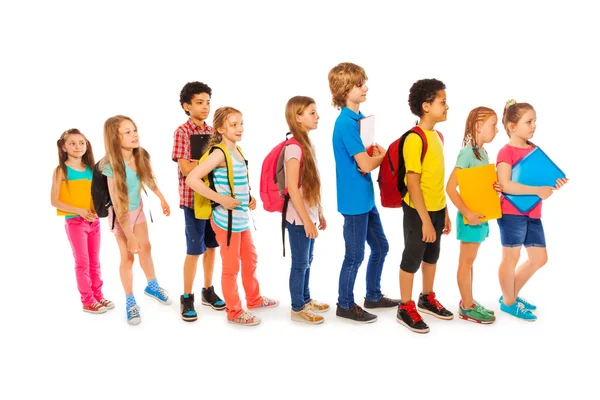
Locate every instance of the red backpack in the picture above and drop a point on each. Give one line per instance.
(273, 192)
(392, 171)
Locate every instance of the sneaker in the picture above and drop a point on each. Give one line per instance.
(356, 314)
(317, 306)
(133, 315)
(487, 310)
(188, 313)
(95, 308)
(408, 316)
(383, 302)
(161, 295)
(429, 305)
(107, 303)
(267, 303)
(245, 319)
(518, 310)
(475, 313)
(527, 304)
(210, 298)
(307, 315)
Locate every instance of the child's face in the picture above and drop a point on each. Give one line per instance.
(525, 128)
(358, 94)
(129, 135)
(75, 145)
(233, 129)
(439, 108)
(309, 118)
(488, 130)
(199, 107)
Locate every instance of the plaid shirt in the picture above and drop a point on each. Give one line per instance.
(183, 150)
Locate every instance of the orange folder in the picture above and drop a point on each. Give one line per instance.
(77, 193)
(476, 187)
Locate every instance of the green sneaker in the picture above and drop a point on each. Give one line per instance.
(487, 310)
(476, 314)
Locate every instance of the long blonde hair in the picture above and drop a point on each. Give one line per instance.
(477, 115)
(114, 157)
(311, 181)
(87, 159)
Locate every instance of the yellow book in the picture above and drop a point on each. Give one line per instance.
(77, 193)
(476, 187)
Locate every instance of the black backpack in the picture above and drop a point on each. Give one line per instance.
(100, 194)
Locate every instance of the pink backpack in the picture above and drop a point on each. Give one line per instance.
(273, 192)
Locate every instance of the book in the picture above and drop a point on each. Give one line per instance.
(77, 193)
(476, 187)
(367, 133)
(199, 144)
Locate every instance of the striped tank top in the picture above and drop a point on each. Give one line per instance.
(241, 220)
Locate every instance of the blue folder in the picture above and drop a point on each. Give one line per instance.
(535, 169)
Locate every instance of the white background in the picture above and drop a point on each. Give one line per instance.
(74, 64)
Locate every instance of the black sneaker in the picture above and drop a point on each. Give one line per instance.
(429, 305)
(188, 313)
(408, 316)
(210, 298)
(356, 314)
(383, 302)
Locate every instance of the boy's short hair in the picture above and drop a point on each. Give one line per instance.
(423, 91)
(343, 78)
(190, 89)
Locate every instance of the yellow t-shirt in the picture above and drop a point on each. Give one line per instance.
(432, 169)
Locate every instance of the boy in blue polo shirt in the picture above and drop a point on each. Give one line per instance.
(356, 197)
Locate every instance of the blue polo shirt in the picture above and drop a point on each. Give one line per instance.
(355, 193)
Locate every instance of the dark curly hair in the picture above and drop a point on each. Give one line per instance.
(190, 89)
(423, 91)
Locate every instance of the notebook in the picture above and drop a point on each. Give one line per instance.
(367, 133)
(199, 143)
(476, 187)
(535, 169)
(77, 193)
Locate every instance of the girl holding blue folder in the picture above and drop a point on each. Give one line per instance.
(520, 228)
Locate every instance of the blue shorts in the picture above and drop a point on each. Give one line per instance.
(471, 233)
(199, 235)
(520, 230)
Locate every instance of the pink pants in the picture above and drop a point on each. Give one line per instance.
(85, 242)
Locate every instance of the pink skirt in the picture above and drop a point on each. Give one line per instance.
(135, 217)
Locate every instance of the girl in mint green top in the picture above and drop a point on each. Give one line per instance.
(480, 129)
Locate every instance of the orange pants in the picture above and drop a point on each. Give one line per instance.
(240, 250)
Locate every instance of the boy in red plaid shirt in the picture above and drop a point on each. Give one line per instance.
(200, 238)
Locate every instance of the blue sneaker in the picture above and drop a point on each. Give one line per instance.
(188, 312)
(161, 295)
(518, 310)
(133, 315)
(527, 304)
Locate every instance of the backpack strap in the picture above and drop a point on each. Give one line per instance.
(211, 184)
(401, 165)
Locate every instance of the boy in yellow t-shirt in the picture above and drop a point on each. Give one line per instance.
(424, 206)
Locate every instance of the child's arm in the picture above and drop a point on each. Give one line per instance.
(292, 174)
(186, 166)
(132, 242)
(163, 203)
(368, 163)
(472, 218)
(510, 187)
(57, 179)
(194, 180)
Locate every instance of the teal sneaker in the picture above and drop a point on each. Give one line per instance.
(476, 313)
(518, 310)
(527, 304)
(487, 310)
(133, 315)
(161, 295)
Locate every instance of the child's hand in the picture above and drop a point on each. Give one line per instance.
(561, 182)
(544, 192)
(474, 218)
(229, 202)
(87, 215)
(165, 207)
(322, 223)
(311, 231)
(133, 245)
(498, 187)
(378, 150)
(428, 232)
(447, 225)
(252, 203)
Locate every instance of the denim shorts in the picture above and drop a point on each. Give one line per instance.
(520, 230)
(199, 234)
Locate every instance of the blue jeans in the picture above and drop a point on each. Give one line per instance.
(358, 229)
(302, 257)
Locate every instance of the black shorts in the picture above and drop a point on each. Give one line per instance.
(415, 249)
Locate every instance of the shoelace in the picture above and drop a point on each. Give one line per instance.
(522, 309)
(309, 312)
(245, 316)
(97, 305)
(211, 296)
(163, 293)
(358, 311)
(480, 309)
(134, 311)
(266, 301)
(413, 314)
(431, 298)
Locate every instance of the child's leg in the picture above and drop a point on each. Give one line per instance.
(355, 235)
(94, 257)
(144, 254)
(535, 243)
(311, 248)
(126, 265)
(414, 250)
(208, 258)
(464, 275)
(432, 250)
(230, 256)
(300, 247)
(249, 260)
(379, 248)
(78, 237)
(513, 231)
